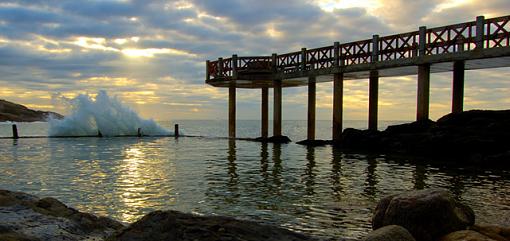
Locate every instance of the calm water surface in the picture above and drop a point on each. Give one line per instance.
(319, 191)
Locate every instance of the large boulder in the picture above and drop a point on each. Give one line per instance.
(426, 214)
(26, 217)
(173, 225)
(465, 235)
(390, 233)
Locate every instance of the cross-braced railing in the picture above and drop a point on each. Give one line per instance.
(469, 36)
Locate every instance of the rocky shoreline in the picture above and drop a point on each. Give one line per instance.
(422, 215)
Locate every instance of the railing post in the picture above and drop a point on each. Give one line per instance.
(234, 66)
(336, 48)
(422, 41)
(274, 60)
(15, 132)
(480, 23)
(207, 70)
(303, 59)
(375, 48)
(220, 67)
(176, 130)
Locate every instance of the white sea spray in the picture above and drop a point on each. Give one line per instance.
(104, 114)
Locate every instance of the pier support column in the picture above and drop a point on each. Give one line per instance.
(277, 109)
(311, 107)
(458, 87)
(423, 92)
(264, 112)
(338, 102)
(373, 97)
(232, 112)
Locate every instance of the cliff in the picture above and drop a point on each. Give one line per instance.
(15, 112)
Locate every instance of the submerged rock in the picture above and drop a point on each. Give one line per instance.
(274, 139)
(466, 235)
(426, 214)
(173, 225)
(26, 217)
(390, 233)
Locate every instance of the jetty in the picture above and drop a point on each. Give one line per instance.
(480, 44)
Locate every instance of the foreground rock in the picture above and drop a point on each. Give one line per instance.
(26, 217)
(15, 112)
(390, 233)
(474, 136)
(466, 235)
(173, 225)
(426, 214)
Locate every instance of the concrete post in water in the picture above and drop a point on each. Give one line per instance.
(423, 92)
(176, 130)
(422, 46)
(15, 132)
(303, 59)
(480, 23)
(336, 48)
(234, 66)
(265, 112)
(375, 48)
(373, 97)
(311, 107)
(338, 96)
(277, 109)
(232, 111)
(207, 70)
(458, 87)
(139, 132)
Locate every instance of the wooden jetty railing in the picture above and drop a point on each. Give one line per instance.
(468, 36)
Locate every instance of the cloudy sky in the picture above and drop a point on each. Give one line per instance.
(151, 54)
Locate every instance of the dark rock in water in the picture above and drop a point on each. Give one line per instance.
(274, 139)
(390, 233)
(472, 136)
(15, 112)
(173, 225)
(26, 217)
(426, 214)
(314, 142)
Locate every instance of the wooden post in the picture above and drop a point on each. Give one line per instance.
(220, 67)
(265, 112)
(303, 59)
(422, 41)
(277, 109)
(234, 66)
(311, 107)
(232, 112)
(373, 99)
(207, 70)
(176, 130)
(458, 87)
(15, 132)
(139, 132)
(423, 92)
(375, 48)
(338, 88)
(274, 62)
(480, 23)
(336, 48)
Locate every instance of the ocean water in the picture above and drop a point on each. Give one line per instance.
(319, 191)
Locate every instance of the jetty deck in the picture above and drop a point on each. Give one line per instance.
(480, 44)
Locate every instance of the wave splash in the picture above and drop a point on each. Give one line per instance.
(103, 114)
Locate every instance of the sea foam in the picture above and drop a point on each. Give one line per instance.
(104, 114)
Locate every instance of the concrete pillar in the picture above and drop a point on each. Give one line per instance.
(277, 109)
(422, 112)
(373, 97)
(311, 107)
(265, 112)
(338, 99)
(232, 112)
(458, 87)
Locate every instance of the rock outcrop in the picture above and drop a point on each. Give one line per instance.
(390, 233)
(18, 113)
(476, 136)
(26, 217)
(426, 214)
(173, 225)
